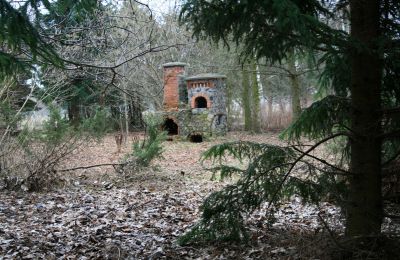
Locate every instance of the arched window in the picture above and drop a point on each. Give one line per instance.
(170, 126)
(200, 102)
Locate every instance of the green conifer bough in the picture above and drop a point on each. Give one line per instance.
(361, 63)
(23, 35)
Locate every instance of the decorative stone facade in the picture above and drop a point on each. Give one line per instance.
(193, 106)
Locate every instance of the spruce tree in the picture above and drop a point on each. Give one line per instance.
(24, 40)
(22, 44)
(81, 89)
(360, 69)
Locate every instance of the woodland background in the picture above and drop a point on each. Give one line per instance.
(309, 168)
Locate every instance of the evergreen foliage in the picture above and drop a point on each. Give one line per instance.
(97, 125)
(22, 33)
(57, 129)
(150, 148)
(286, 25)
(22, 45)
(8, 116)
(323, 118)
(358, 106)
(268, 177)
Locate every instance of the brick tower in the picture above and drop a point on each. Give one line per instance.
(172, 73)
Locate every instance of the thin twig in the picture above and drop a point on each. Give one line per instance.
(324, 162)
(299, 159)
(91, 166)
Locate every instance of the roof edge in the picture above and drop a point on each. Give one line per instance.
(174, 64)
(206, 76)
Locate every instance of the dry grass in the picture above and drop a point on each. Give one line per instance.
(276, 120)
(178, 156)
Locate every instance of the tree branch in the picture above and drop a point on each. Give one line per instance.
(298, 159)
(91, 166)
(323, 161)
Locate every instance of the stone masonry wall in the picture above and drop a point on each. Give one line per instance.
(216, 95)
(189, 123)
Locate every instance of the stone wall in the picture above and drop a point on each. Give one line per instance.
(189, 123)
(216, 95)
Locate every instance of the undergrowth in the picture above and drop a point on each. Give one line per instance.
(150, 148)
(31, 159)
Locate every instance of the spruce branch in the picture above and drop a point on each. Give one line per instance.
(272, 201)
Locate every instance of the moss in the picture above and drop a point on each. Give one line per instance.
(188, 122)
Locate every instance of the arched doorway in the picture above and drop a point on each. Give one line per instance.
(200, 102)
(170, 126)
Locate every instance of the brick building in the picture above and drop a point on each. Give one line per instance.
(195, 106)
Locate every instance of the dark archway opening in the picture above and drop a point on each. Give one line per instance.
(170, 126)
(200, 102)
(196, 138)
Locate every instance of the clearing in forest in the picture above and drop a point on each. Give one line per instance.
(100, 213)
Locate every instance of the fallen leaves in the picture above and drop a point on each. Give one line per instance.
(96, 224)
(103, 215)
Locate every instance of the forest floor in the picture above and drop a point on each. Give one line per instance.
(101, 214)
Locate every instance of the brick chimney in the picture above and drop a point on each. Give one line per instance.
(172, 71)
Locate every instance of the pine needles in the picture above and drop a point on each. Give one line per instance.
(151, 148)
(323, 118)
(269, 177)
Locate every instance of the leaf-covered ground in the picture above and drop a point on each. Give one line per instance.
(99, 214)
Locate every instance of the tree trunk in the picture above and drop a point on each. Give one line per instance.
(132, 112)
(282, 106)
(246, 99)
(126, 113)
(229, 104)
(102, 98)
(270, 109)
(365, 200)
(255, 94)
(73, 111)
(294, 88)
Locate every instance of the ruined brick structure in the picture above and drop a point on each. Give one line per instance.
(194, 107)
(173, 73)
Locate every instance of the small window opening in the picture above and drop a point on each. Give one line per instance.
(196, 138)
(170, 127)
(200, 102)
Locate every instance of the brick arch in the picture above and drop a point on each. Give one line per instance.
(193, 100)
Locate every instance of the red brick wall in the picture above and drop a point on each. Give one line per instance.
(198, 83)
(171, 89)
(193, 101)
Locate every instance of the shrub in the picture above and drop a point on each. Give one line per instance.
(34, 156)
(98, 125)
(150, 148)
